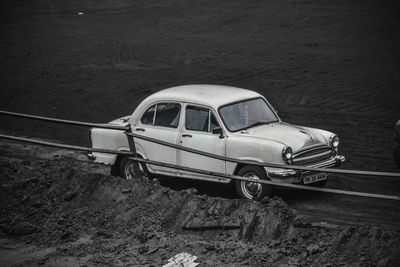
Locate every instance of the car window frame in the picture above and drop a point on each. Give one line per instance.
(155, 114)
(242, 100)
(210, 110)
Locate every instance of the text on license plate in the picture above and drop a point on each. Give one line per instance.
(315, 178)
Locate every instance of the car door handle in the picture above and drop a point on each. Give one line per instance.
(186, 135)
(140, 130)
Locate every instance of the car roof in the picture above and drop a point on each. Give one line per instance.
(203, 94)
(210, 95)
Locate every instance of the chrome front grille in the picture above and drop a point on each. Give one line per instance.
(312, 156)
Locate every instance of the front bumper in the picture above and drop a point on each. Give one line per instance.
(296, 176)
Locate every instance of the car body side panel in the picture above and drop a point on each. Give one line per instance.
(252, 148)
(156, 152)
(108, 139)
(204, 142)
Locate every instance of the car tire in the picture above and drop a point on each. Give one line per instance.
(126, 169)
(249, 190)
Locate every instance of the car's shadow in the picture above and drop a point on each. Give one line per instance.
(214, 189)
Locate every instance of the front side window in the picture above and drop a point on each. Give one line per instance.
(162, 114)
(200, 119)
(247, 114)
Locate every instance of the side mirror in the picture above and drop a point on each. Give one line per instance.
(218, 130)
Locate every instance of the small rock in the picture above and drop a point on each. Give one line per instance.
(70, 195)
(312, 249)
(305, 234)
(126, 190)
(193, 191)
(156, 182)
(301, 222)
(143, 249)
(104, 233)
(265, 200)
(142, 238)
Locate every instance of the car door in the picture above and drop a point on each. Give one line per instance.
(159, 121)
(196, 133)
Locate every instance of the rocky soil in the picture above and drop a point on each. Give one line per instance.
(66, 211)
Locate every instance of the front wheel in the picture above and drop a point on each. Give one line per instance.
(252, 190)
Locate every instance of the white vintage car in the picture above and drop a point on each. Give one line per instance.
(222, 120)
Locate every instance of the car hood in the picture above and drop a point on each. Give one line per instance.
(298, 138)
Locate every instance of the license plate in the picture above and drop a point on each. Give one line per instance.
(315, 178)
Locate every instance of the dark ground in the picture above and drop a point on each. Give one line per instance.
(327, 64)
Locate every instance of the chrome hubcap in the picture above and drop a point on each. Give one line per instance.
(251, 189)
(129, 170)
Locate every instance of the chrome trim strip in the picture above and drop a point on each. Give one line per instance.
(326, 164)
(325, 153)
(311, 149)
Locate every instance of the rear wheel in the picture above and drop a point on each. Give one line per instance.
(252, 190)
(127, 170)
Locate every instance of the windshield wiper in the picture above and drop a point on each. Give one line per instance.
(256, 124)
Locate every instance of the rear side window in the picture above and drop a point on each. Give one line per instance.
(200, 119)
(162, 114)
(148, 117)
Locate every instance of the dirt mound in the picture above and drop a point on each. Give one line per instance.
(57, 194)
(79, 215)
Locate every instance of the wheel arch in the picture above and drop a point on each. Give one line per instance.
(115, 167)
(241, 165)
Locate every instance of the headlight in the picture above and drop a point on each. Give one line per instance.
(334, 141)
(287, 153)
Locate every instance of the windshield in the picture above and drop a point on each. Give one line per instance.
(246, 114)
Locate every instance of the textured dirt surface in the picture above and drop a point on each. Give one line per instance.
(65, 211)
(327, 64)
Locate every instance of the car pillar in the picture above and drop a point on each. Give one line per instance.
(132, 148)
